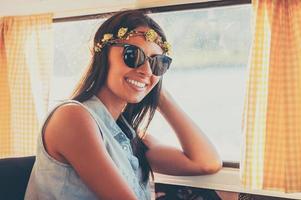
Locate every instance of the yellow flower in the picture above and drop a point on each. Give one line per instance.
(121, 32)
(166, 47)
(107, 37)
(151, 35)
(97, 47)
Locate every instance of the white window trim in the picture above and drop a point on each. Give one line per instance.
(69, 8)
(228, 179)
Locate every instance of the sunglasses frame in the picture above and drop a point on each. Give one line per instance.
(146, 58)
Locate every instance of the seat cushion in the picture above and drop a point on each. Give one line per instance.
(14, 176)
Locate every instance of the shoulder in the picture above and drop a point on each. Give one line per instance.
(69, 125)
(70, 108)
(72, 118)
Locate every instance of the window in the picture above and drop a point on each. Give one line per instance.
(207, 77)
(72, 44)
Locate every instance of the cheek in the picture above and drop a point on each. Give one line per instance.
(117, 69)
(115, 59)
(115, 76)
(155, 80)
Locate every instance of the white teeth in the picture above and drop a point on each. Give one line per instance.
(136, 83)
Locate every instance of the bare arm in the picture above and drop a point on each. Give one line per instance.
(73, 134)
(198, 155)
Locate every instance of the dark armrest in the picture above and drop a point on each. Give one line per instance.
(14, 176)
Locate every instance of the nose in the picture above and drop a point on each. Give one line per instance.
(145, 69)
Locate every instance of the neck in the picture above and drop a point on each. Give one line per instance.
(113, 104)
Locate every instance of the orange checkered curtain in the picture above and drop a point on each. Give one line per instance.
(26, 57)
(272, 116)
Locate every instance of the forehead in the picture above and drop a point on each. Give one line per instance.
(150, 48)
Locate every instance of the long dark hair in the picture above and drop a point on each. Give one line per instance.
(136, 114)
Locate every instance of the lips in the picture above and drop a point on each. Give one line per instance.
(137, 85)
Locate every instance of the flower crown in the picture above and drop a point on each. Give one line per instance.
(123, 34)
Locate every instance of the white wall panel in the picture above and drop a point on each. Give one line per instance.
(68, 8)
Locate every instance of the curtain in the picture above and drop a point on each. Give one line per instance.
(272, 114)
(26, 57)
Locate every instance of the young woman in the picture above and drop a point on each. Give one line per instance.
(95, 145)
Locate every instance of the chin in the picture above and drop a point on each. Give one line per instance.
(135, 99)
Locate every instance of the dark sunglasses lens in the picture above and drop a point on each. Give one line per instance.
(133, 56)
(160, 64)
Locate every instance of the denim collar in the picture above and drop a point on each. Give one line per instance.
(95, 104)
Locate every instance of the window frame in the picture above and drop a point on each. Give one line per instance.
(163, 9)
(159, 9)
(226, 179)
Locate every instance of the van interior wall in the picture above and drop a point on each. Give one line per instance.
(68, 8)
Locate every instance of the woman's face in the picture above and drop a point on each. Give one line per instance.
(131, 85)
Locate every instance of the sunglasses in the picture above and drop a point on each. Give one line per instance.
(134, 57)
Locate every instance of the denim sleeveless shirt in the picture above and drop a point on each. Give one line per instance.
(51, 179)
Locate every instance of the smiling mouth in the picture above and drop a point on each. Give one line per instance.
(136, 83)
